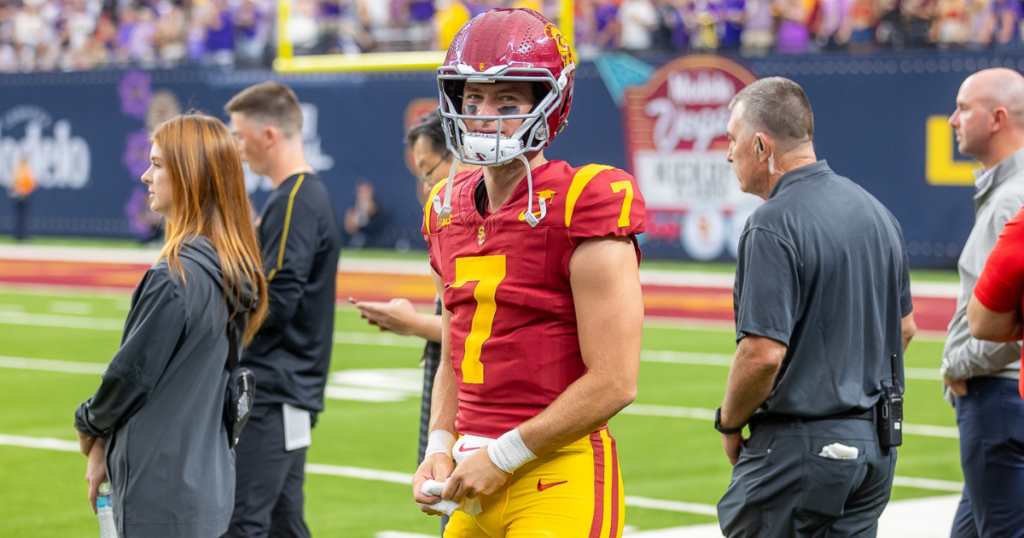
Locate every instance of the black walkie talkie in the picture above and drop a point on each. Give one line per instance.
(890, 412)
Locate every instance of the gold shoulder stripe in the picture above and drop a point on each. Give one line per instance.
(287, 223)
(579, 181)
(430, 201)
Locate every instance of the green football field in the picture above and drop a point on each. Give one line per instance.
(365, 443)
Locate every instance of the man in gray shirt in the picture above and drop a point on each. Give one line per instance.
(981, 377)
(822, 301)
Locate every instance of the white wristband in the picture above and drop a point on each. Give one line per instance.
(509, 452)
(440, 442)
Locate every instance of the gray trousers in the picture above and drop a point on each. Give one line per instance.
(782, 487)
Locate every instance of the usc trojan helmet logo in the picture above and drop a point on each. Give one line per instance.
(556, 35)
(549, 199)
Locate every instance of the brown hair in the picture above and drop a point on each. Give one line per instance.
(208, 185)
(779, 107)
(271, 103)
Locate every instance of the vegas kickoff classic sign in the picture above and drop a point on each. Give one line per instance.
(676, 145)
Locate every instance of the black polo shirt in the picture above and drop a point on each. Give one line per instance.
(823, 269)
(300, 241)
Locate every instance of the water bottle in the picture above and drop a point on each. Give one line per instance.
(105, 512)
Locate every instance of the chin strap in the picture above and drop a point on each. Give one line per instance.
(445, 211)
(529, 216)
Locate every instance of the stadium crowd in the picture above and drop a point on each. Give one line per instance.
(46, 35)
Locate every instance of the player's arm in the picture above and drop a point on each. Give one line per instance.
(605, 284)
(609, 311)
(444, 404)
(994, 310)
(994, 326)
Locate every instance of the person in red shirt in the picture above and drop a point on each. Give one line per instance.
(994, 311)
(537, 265)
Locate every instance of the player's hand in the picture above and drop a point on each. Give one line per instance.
(476, 476)
(96, 471)
(733, 443)
(398, 315)
(957, 386)
(435, 467)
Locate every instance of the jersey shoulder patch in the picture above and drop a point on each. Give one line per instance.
(432, 224)
(603, 200)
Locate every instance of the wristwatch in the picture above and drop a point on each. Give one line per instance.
(722, 429)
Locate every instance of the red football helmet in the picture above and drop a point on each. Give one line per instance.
(507, 45)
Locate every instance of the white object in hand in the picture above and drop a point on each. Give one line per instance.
(469, 506)
(837, 451)
(433, 487)
(105, 512)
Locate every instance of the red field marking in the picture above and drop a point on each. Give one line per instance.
(80, 274)
(683, 302)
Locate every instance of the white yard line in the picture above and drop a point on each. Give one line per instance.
(45, 443)
(75, 308)
(722, 359)
(672, 411)
(672, 506)
(405, 479)
(668, 411)
(950, 432)
(930, 517)
(359, 473)
(69, 367)
(378, 339)
(64, 322)
(928, 483)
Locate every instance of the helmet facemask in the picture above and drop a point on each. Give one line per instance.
(493, 149)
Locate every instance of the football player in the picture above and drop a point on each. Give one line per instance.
(537, 266)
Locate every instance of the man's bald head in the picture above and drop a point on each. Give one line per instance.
(999, 87)
(989, 116)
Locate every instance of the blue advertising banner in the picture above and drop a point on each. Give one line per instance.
(880, 120)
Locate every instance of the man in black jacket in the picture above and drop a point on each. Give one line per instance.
(300, 241)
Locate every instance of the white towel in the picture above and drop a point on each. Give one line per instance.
(836, 451)
(433, 487)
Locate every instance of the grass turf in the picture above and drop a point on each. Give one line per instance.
(661, 458)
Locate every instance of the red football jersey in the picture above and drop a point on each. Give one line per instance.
(515, 347)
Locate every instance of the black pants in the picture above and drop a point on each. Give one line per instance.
(781, 487)
(268, 487)
(991, 421)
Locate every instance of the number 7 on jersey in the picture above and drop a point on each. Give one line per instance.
(487, 272)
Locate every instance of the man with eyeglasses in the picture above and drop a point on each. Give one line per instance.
(433, 162)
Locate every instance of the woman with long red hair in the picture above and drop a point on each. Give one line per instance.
(155, 425)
